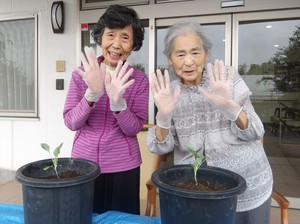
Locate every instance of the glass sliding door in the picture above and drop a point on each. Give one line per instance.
(217, 28)
(266, 51)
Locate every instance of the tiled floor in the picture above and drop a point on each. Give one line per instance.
(285, 163)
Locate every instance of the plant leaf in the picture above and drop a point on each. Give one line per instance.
(46, 147)
(57, 150)
(191, 149)
(199, 160)
(47, 167)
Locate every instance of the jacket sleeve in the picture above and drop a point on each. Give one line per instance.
(255, 130)
(76, 109)
(132, 119)
(157, 147)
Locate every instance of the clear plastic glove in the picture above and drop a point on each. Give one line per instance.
(165, 100)
(93, 75)
(116, 85)
(221, 93)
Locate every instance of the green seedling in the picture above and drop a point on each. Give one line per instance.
(54, 157)
(199, 160)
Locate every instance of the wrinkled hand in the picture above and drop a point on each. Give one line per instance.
(165, 100)
(93, 75)
(221, 93)
(116, 85)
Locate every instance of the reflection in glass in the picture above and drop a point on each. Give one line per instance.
(139, 59)
(269, 61)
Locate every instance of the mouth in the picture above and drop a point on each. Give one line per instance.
(189, 72)
(114, 54)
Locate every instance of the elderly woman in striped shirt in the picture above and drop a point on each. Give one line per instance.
(107, 105)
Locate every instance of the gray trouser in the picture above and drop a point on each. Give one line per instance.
(259, 215)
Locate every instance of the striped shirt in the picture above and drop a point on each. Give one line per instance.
(105, 137)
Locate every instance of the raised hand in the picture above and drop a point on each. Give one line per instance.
(221, 89)
(165, 99)
(116, 85)
(93, 75)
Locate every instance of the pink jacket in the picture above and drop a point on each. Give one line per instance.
(103, 136)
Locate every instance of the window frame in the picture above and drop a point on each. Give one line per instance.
(35, 112)
(85, 5)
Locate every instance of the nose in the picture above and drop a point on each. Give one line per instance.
(188, 60)
(117, 43)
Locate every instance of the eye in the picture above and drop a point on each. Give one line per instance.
(125, 38)
(110, 34)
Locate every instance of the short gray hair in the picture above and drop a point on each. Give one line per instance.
(181, 28)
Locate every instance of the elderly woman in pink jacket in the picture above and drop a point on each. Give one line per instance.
(107, 105)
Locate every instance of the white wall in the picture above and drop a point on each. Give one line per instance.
(20, 138)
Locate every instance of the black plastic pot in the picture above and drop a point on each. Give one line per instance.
(58, 201)
(178, 206)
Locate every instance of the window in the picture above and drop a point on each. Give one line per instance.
(18, 67)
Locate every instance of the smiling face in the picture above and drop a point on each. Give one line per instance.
(117, 44)
(188, 58)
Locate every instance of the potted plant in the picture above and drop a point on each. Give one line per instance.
(197, 194)
(58, 190)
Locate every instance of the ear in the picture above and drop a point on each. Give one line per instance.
(170, 61)
(206, 57)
